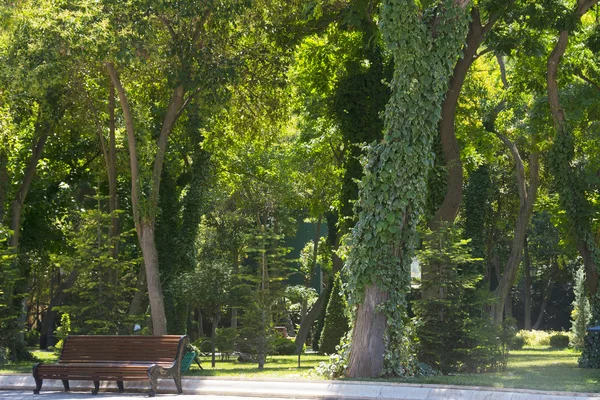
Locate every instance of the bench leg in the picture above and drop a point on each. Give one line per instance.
(96, 387)
(177, 379)
(120, 385)
(153, 378)
(66, 385)
(38, 385)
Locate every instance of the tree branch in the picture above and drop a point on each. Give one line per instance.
(136, 190)
(586, 79)
(173, 113)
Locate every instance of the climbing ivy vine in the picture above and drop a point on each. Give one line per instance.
(425, 46)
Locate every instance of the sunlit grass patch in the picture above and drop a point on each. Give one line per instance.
(536, 368)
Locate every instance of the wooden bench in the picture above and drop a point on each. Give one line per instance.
(116, 358)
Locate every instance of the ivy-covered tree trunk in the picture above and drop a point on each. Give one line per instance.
(393, 189)
(571, 187)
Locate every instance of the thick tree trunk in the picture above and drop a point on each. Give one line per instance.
(367, 336)
(157, 303)
(527, 282)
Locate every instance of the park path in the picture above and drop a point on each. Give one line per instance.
(20, 386)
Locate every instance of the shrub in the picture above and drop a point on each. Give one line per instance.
(535, 338)
(336, 321)
(225, 339)
(559, 341)
(32, 338)
(284, 347)
(518, 343)
(203, 343)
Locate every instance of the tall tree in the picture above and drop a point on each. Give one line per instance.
(425, 45)
(569, 181)
(192, 56)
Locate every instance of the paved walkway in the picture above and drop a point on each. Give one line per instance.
(17, 385)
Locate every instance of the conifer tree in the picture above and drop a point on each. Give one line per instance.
(336, 321)
(581, 313)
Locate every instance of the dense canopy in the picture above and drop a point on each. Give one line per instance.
(210, 167)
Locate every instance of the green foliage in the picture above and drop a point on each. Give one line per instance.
(225, 339)
(338, 361)
(203, 344)
(450, 337)
(62, 332)
(99, 299)
(559, 341)
(477, 209)
(256, 334)
(284, 347)
(518, 343)
(590, 357)
(581, 313)
(336, 320)
(9, 327)
(207, 287)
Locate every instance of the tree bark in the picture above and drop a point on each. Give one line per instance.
(144, 224)
(527, 197)
(155, 294)
(135, 308)
(367, 336)
(315, 310)
(527, 282)
(448, 210)
(19, 201)
(540, 317)
(112, 176)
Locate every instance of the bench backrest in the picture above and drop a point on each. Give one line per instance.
(97, 348)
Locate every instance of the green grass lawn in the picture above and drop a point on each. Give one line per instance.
(276, 367)
(531, 368)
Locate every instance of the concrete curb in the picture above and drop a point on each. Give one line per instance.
(355, 390)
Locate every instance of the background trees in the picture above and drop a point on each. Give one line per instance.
(214, 130)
